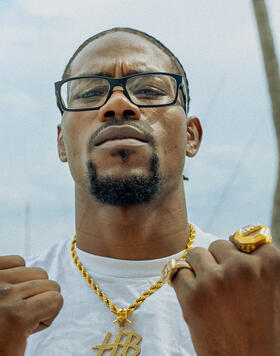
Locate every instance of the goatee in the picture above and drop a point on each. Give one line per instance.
(129, 191)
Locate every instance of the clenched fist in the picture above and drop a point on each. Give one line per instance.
(231, 300)
(29, 302)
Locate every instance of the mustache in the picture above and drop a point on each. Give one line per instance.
(120, 122)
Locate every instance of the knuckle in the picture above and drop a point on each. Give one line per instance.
(274, 260)
(32, 285)
(5, 289)
(243, 270)
(57, 299)
(216, 244)
(5, 277)
(55, 286)
(211, 284)
(18, 261)
(11, 261)
(195, 254)
(212, 245)
(40, 273)
(216, 279)
(195, 250)
(270, 264)
(14, 313)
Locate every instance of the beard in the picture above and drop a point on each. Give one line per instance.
(128, 191)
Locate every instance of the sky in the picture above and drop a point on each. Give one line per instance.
(231, 180)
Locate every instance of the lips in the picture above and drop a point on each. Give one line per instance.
(118, 133)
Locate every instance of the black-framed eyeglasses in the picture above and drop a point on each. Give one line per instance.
(91, 92)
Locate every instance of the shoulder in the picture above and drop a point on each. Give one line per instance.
(56, 254)
(204, 239)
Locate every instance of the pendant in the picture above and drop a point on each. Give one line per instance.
(126, 341)
(121, 319)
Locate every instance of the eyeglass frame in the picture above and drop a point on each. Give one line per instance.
(113, 82)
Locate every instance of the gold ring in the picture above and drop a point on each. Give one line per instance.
(171, 268)
(249, 237)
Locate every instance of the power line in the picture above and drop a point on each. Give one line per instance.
(232, 177)
(214, 97)
(27, 243)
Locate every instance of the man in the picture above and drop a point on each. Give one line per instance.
(125, 133)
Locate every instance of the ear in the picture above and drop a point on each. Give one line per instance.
(194, 136)
(60, 145)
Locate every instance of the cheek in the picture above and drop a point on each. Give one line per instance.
(76, 134)
(72, 140)
(172, 141)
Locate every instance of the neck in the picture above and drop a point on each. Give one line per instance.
(149, 231)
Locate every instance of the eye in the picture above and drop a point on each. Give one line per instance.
(93, 93)
(149, 92)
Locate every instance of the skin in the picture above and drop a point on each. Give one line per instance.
(144, 232)
(230, 301)
(29, 302)
(234, 299)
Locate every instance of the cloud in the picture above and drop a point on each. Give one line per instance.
(218, 46)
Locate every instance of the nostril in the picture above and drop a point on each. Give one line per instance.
(125, 113)
(128, 113)
(109, 113)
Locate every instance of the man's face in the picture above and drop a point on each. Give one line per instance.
(157, 159)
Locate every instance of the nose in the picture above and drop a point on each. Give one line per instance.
(120, 106)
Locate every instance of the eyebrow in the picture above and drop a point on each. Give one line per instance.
(101, 74)
(107, 74)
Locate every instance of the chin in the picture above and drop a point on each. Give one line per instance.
(131, 189)
(124, 173)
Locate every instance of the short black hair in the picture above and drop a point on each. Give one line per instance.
(175, 61)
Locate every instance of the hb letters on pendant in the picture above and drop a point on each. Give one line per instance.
(126, 340)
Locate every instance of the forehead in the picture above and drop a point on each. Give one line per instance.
(127, 51)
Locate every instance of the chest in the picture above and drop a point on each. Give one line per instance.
(85, 325)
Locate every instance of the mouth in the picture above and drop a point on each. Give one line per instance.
(123, 133)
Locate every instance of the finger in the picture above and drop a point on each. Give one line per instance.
(200, 259)
(43, 308)
(266, 250)
(234, 242)
(222, 250)
(30, 288)
(22, 274)
(231, 238)
(11, 261)
(43, 325)
(183, 283)
(183, 276)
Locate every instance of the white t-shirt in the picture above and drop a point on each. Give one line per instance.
(85, 320)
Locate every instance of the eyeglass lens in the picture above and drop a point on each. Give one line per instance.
(154, 89)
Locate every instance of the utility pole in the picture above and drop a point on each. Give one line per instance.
(27, 243)
(273, 80)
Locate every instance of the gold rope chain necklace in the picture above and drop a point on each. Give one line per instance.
(122, 313)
